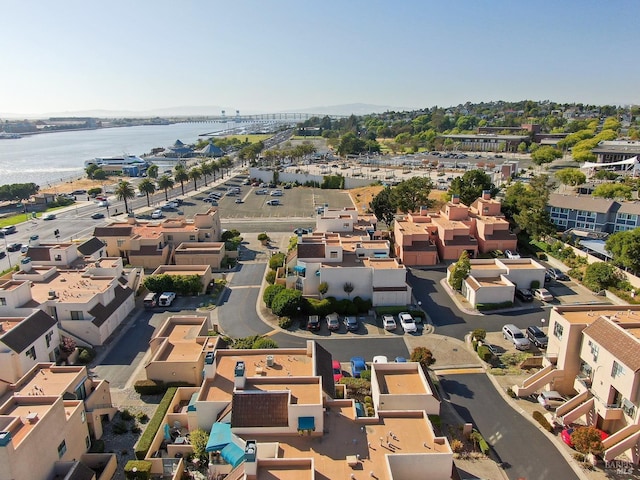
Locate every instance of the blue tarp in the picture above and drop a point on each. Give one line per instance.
(306, 423)
(192, 403)
(299, 268)
(232, 454)
(219, 437)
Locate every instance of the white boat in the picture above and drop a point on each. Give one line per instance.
(7, 135)
(118, 161)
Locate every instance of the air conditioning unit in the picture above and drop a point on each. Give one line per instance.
(270, 361)
(52, 294)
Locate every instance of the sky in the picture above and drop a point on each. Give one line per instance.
(281, 55)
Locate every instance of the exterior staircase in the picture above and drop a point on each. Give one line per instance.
(538, 380)
(621, 441)
(584, 408)
(569, 405)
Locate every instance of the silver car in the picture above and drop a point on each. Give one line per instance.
(514, 335)
(551, 399)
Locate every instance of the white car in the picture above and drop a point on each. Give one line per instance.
(380, 359)
(551, 399)
(407, 323)
(166, 299)
(543, 294)
(512, 255)
(49, 216)
(157, 214)
(389, 323)
(276, 193)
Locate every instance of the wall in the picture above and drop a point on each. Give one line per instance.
(267, 176)
(359, 277)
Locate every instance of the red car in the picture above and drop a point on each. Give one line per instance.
(566, 435)
(337, 371)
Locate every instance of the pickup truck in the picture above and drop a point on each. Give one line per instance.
(166, 299)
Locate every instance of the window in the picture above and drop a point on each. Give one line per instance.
(192, 238)
(595, 350)
(120, 243)
(169, 238)
(557, 330)
(62, 449)
(3, 301)
(87, 442)
(75, 315)
(48, 338)
(333, 254)
(345, 225)
(31, 353)
(617, 370)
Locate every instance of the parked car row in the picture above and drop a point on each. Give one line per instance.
(521, 341)
(352, 323)
(359, 365)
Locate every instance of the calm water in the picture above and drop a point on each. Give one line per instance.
(50, 158)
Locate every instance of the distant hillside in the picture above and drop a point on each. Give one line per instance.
(348, 109)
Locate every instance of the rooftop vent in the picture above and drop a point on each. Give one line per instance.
(52, 294)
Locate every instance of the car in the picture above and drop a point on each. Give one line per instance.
(49, 216)
(3, 254)
(557, 274)
(169, 206)
(313, 323)
(358, 365)
(537, 336)
(239, 200)
(524, 294)
(214, 203)
(493, 349)
(231, 194)
(140, 194)
(262, 192)
(9, 230)
(514, 335)
(407, 323)
(287, 186)
(511, 255)
(207, 199)
(400, 360)
(14, 247)
(351, 323)
(551, 399)
(302, 231)
(103, 203)
(333, 322)
(24, 249)
(273, 203)
(276, 193)
(567, 432)
(337, 370)
(380, 359)
(389, 323)
(166, 299)
(543, 294)
(547, 277)
(157, 214)
(255, 184)
(97, 215)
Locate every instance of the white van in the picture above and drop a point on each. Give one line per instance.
(166, 299)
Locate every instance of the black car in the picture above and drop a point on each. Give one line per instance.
(557, 274)
(14, 247)
(351, 323)
(524, 294)
(3, 254)
(97, 215)
(537, 337)
(313, 324)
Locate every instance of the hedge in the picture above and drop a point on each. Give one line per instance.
(484, 353)
(142, 470)
(541, 419)
(149, 387)
(481, 307)
(143, 445)
(270, 293)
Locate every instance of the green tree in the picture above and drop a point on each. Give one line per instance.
(571, 176)
(90, 170)
(158, 283)
(625, 249)
(206, 168)
(265, 343)
(587, 440)
(152, 171)
(270, 293)
(147, 187)
(180, 175)
(195, 174)
(409, 195)
(471, 185)
(124, 191)
(165, 182)
(348, 288)
(276, 261)
(605, 175)
(545, 154)
(522, 147)
(198, 440)
(613, 190)
(423, 356)
(382, 207)
(287, 302)
(600, 276)
(323, 288)
(460, 271)
(351, 145)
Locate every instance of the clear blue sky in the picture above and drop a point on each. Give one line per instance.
(280, 55)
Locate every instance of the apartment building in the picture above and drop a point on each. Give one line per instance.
(348, 259)
(426, 238)
(616, 150)
(153, 243)
(274, 414)
(594, 355)
(593, 214)
(87, 300)
(344, 220)
(47, 420)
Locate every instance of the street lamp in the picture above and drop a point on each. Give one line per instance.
(5, 247)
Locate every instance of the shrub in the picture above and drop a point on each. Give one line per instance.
(276, 261)
(126, 415)
(137, 470)
(322, 308)
(362, 306)
(577, 273)
(474, 345)
(270, 277)
(368, 399)
(587, 440)
(270, 293)
(142, 417)
(511, 393)
(263, 237)
(136, 429)
(143, 445)
(86, 355)
(544, 423)
(535, 284)
(286, 302)
(479, 334)
(265, 343)
(484, 353)
(456, 445)
(482, 307)
(149, 387)
(600, 275)
(285, 322)
(366, 375)
(97, 446)
(120, 427)
(423, 356)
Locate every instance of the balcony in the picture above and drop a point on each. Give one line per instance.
(549, 359)
(582, 383)
(612, 411)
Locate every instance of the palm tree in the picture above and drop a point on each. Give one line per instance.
(147, 187)
(181, 176)
(152, 171)
(194, 174)
(165, 182)
(206, 168)
(124, 191)
(215, 167)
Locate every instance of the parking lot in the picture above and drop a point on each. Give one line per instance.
(296, 202)
(367, 325)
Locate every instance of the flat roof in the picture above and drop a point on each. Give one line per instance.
(71, 286)
(306, 391)
(400, 382)
(582, 314)
(284, 471)
(48, 380)
(180, 352)
(382, 263)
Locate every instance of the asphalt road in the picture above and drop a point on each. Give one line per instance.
(524, 450)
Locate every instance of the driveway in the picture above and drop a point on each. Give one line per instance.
(523, 449)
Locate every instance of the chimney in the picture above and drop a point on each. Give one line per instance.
(239, 377)
(250, 456)
(486, 195)
(455, 199)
